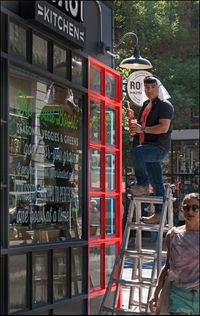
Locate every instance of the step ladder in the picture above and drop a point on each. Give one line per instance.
(138, 282)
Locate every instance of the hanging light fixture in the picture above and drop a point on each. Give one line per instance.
(135, 61)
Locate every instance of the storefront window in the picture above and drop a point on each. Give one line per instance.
(45, 147)
(95, 216)
(40, 277)
(110, 216)
(59, 61)
(17, 40)
(17, 281)
(59, 274)
(40, 51)
(77, 278)
(95, 79)
(77, 69)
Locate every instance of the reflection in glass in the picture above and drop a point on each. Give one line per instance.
(17, 40)
(110, 216)
(110, 171)
(17, 282)
(110, 126)
(59, 61)
(40, 277)
(77, 69)
(77, 277)
(110, 260)
(39, 57)
(110, 86)
(95, 79)
(45, 163)
(95, 216)
(59, 274)
(95, 267)
(95, 121)
(95, 168)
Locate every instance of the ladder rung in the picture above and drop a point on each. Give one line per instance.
(135, 253)
(148, 227)
(125, 311)
(125, 282)
(149, 199)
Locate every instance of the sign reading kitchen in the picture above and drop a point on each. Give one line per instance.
(56, 20)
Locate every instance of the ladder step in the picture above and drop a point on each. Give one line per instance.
(143, 254)
(125, 282)
(122, 311)
(148, 227)
(149, 199)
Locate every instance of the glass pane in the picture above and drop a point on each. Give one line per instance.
(95, 216)
(39, 51)
(110, 216)
(77, 69)
(17, 282)
(110, 260)
(59, 274)
(110, 86)
(110, 126)
(45, 161)
(95, 79)
(95, 267)
(77, 277)
(40, 277)
(17, 40)
(110, 171)
(95, 121)
(95, 168)
(59, 61)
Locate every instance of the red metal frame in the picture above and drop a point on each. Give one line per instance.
(116, 104)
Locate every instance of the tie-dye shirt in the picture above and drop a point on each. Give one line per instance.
(184, 258)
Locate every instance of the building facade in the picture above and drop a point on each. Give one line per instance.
(60, 162)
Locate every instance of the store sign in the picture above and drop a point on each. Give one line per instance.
(73, 8)
(54, 19)
(135, 87)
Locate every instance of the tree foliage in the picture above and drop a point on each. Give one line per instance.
(168, 33)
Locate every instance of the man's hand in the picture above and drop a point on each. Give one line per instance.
(135, 127)
(153, 304)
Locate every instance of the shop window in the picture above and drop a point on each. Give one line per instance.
(73, 308)
(17, 282)
(17, 40)
(110, 86)
(40, 51)
(95, 216)
(110, 126)
(95, 121)
(110, 260)
(45, 162)
(60, 61)
(59, 274)
(95, 169)
(77, 277)
(95, 79)
(95, 267)
(110, 171)
(77, 69)
(40, 278)
(110, 216)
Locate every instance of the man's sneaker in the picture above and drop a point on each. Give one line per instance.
(139, 190)
(153, 219)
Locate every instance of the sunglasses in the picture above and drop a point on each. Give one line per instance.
(195, 208)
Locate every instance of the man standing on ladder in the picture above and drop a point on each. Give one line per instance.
(152, 142)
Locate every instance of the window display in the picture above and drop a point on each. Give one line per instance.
(45, 147)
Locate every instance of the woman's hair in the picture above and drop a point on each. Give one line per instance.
(190, 196)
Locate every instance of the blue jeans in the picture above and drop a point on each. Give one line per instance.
(148, 168)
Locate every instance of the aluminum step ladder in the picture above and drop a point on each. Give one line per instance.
(138, 282)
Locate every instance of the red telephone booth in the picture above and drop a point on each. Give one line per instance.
(105, 174)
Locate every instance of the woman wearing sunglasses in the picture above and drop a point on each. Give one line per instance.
(182, 263)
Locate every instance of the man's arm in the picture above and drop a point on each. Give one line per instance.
(160, 128)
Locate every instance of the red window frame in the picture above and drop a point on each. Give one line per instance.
(116, 104)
